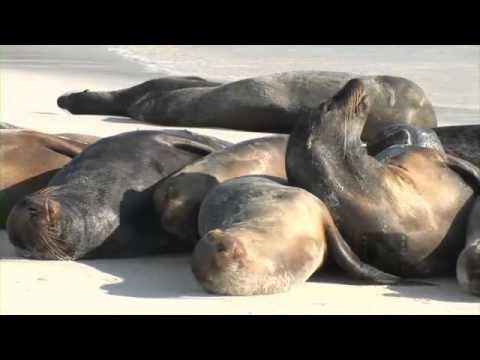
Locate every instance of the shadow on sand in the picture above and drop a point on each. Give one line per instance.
(170, 276)
(442, 289)
(45, 113)
(126, 120)
(123, 120)
(446, 289)
(166, 276)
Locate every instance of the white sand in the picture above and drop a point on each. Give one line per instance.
(164, 284)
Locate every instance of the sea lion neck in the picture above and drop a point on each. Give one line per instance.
(329, 144)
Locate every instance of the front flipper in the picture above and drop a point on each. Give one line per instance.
(65, 147)
(391, 136)
(394, 140)
(467, 170)
(194, 147)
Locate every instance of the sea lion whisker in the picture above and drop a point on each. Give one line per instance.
(50, 248)
(47, 239)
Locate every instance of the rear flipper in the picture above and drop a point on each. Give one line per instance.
(351, 263)
(69, 148)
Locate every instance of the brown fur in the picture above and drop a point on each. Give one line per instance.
(254, 247)
(406, 216)
(29, 160)
(262, 237)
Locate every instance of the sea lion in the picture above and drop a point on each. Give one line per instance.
(178, 198)
(260, 236)
(407, 215)
(270, 103)
(463, 142)
(117, 102)
(29, 159)
(100, 204)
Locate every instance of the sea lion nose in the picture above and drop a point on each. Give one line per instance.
(62, 101)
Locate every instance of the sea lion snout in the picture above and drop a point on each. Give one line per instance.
(221, 265)
(353, 89)
(63, 101)
(217, 252)
(221, 250)
(27, 222)
(353, 100)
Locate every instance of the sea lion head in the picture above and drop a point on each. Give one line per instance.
(345, 114)
(405, 101)
(41, 227)
(223, 263)
(67, 100)
(352, 102)
(85, 102)
(177, 201)
(396, 100)
(468, 269)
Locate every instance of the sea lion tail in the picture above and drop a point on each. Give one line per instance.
(351, 263)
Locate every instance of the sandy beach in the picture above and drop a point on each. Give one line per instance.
(31, 79)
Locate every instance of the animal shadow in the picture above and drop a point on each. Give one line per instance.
(166, 276)
(144, 274)
(444, 289)
(123, 120)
